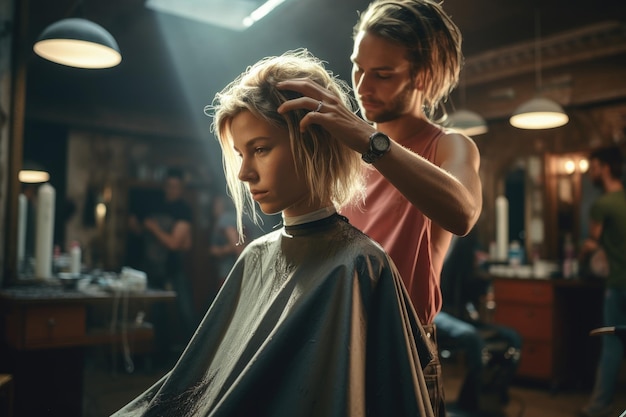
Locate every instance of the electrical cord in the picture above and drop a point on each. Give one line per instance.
(128, 360)
(113, 328)
(121, 293)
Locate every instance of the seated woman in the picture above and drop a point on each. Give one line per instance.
(313, 319)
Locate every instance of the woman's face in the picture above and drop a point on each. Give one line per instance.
(268, 168)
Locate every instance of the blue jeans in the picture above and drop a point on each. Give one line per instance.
(612, 351)
(451, 330)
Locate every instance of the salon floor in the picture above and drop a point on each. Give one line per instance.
(108, 387)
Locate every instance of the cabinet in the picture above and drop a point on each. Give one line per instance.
(49, 326)
(554, 318)
(44, 332)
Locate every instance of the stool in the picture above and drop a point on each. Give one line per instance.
(6, 395)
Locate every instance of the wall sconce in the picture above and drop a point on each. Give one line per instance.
(568, 165)
(79, 43)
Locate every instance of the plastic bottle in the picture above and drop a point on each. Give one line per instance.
(75, 258)
(515, 253)
(569, 259)
(44, 231)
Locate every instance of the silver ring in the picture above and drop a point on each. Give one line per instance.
(319, 106)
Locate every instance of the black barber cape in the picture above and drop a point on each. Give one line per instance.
(313, 320)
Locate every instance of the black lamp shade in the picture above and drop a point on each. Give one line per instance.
(80, 43)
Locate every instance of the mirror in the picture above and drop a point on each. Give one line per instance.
(549, 197)
(523, 189)
(570, 195)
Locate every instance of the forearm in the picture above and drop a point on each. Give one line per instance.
(177, 240)
(592, 242)
(589, 245)
(434, 191)
(451, 195)
(165, 239)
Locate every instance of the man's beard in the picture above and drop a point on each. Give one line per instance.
(400, 105)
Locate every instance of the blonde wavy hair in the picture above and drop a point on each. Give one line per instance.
(331, 169)
(432, 39)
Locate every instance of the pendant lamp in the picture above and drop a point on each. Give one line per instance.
(80, 43)
(539, 112)
(466, 121)
(33, 173)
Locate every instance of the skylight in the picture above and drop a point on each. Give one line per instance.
(231, 14)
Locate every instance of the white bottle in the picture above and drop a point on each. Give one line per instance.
(44, 232)
(569, 257)
(515, 253)
(75, 259)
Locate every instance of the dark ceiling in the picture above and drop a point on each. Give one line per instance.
(173, 66)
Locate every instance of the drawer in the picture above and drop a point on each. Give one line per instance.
(536, 360)
(531, 321)
(51, 326)
(525, 291)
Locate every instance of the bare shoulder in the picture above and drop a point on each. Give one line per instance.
(454, 148)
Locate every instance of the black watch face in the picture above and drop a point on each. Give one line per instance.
(380, 143)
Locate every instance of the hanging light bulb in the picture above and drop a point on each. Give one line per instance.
(78, 42)
(539, 112)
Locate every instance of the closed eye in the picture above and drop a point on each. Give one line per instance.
(356, 70)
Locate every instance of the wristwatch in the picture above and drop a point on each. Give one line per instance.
(379, 145)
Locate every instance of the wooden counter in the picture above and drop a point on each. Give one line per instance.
(45, 329)
(554, 317)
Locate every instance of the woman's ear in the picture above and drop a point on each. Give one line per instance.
(419, 81)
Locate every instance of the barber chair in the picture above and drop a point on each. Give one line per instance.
(619, 331)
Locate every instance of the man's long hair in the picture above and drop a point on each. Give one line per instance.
(431, 38)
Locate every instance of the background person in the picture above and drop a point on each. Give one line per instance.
(607, 231)
(165, 231)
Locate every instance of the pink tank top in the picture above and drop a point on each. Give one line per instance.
(403, 231)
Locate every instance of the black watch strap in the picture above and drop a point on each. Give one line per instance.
(379, 146)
